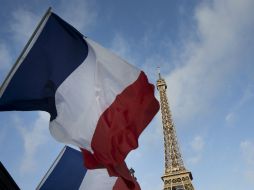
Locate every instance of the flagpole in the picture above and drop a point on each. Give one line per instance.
(25, 51)
(53, 165)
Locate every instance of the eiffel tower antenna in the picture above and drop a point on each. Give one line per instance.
(176, 177)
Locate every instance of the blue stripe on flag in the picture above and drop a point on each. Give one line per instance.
(57, 52)
(68, 172)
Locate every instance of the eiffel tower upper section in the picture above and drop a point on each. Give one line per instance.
(176, 176)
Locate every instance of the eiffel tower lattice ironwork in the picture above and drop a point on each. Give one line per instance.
(176, 176)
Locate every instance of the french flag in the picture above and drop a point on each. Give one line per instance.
(96, 100)
(68, 168)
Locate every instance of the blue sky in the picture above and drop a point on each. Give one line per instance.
(205, 51)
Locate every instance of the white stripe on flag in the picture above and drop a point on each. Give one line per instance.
(97, 179)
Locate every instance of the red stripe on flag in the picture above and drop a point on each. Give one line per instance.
(120, 125)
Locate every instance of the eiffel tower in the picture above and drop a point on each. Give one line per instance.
(176, 176)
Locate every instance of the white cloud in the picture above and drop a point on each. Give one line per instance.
(34, 136)
(197, 145)
(5, 57)
(23, 24)
(79, 13)
(230, 118)
(247, 96)
(207, 65)
(249, 175)
(120, 46)
(128, 50)
(247, 148)
(194, 159)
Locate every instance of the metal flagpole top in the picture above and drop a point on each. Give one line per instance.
(159, 71)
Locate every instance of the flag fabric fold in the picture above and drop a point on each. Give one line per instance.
(96, 100)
